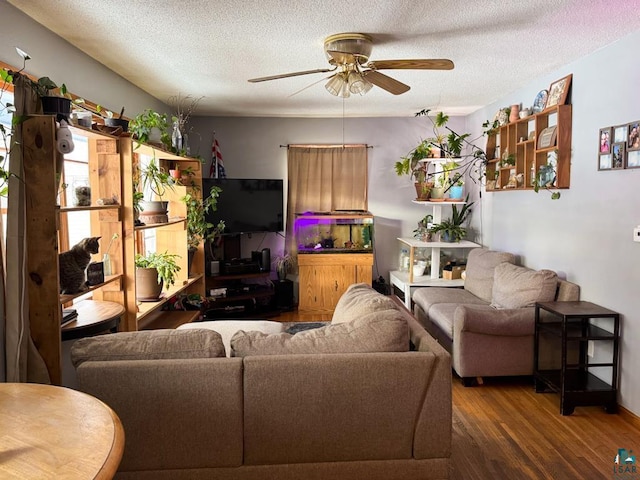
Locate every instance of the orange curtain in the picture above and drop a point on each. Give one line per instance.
(323, 179)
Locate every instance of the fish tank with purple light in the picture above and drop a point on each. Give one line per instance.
(334, 232)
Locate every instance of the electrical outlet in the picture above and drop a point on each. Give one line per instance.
(591, 346)
(636, 234)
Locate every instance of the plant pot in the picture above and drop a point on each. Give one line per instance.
(455, 192)
(148, 288)
(176, 175)
(155, 135)
(59, 106)
(154, 212)
(422, 190)
(446, 237)
(437, 192)
(117, 122)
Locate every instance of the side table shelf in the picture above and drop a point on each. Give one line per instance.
(572, 374)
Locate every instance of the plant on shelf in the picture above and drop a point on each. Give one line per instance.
(184, 107)
(155, 179)
(284, 264)
(545, 178)
(451, 229)
(151, 127)
(198, 229)
(423, 232)
(164, 263)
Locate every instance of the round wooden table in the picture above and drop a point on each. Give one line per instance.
(50, 432)
(94, 316)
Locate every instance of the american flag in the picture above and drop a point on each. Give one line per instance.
(217, 165)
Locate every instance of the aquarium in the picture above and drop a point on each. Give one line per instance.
(334, 232)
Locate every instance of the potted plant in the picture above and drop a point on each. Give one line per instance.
(456, 186)
(153, 272)
(156, 181)
(414, 166)
(451, 229)
(198, 228)
(151, 127)
(284, 264)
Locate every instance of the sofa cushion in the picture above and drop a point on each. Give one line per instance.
(359, 300)
(385, 331)
(148, 345)
(518, 287)
(428, 297)
(481, 264)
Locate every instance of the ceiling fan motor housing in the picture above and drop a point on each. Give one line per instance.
(353, 45)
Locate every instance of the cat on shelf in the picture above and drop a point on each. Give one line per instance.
(73, 265)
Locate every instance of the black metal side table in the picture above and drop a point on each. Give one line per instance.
(571, 326)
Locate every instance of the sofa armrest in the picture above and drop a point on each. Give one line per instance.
(492, 321)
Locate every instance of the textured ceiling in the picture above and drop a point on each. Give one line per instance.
(210, 48)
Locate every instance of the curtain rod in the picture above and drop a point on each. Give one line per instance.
(326, 146)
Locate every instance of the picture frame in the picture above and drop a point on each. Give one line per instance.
(558, 91)
(618, 155)
(605, 140)
(633, 136)
(604, 161)
(620, 134)
(547, 137)
(633, 159)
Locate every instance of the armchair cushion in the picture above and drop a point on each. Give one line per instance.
(484, 319)
(359, 300)
(517, 287)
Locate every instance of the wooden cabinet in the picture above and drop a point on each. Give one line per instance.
(530, 154)
(112, 164)
(324, 277)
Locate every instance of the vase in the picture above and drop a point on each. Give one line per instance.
(514, 114)
(106, 264)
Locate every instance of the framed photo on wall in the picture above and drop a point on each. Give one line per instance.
(558, 91)
(617, 155)
(620, 134)
(605, 140)
(605, 162)
(633, 138)
(633, 159)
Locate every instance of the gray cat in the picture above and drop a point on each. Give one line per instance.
(73, 264)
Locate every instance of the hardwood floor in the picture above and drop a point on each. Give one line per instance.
(502, 429)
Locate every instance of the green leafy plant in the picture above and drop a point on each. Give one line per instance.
(143, 123)
(198, 229)
(544, 179)
(452, 226)
(155, 179)
(284, 264)
(164, 263)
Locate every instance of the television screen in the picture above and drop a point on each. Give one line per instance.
(247, 205)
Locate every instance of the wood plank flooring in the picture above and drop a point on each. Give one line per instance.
(502, 429)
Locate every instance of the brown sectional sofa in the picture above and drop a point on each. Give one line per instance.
(190, 413)
(488, 326)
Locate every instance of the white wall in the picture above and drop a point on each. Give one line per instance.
(587, 233)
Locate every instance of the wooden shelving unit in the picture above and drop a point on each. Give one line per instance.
(513, 138)
(112, 166)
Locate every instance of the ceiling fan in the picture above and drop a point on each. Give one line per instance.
(348, 55)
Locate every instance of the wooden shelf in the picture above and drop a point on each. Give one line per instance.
(168, 319)
(172, 221)
(108, 279)
(89, 208)
(146, 308)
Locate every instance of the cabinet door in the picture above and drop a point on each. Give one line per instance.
(321, 286)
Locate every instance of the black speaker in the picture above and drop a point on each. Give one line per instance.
(283, 294)
(263, 258)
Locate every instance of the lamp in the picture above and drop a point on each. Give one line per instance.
(334, 85)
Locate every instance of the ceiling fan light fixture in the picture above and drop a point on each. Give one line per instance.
(358, 84)
(334, 85)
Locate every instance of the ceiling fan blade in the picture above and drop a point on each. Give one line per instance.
(385, 82)
(309, 86)
(293, 74)
(424, 64)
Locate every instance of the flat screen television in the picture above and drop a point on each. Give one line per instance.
(247, 205)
